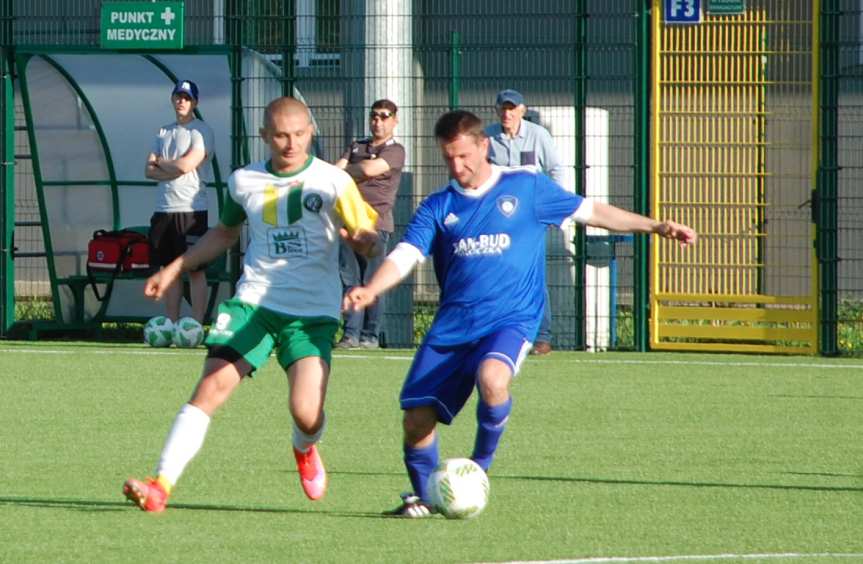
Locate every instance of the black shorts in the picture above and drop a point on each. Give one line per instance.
(172, 233)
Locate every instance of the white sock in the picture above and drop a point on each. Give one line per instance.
(183, 442)
(302, 441)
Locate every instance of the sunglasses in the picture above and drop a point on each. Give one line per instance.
(380, 115)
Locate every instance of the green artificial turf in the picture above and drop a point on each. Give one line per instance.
(607, 455)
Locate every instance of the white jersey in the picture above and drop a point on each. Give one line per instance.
(185, 193)
(292, 261)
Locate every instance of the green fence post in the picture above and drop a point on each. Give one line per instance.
(455, 69)
(7, 173)
(641, 176)
(580, 103)
(289, 47)
(7, 187)
(827, 190)
(233, 33)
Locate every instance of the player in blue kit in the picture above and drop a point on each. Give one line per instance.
(486, 234)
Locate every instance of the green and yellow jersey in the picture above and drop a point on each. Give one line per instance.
(291, 264)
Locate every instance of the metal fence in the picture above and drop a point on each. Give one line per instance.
(845, 126)
(583, 66)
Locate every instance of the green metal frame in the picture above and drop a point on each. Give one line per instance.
(826, 200)
(21, 62)
(579, 102)
(641, 176)
(7, 193)
(41, 184)
(103, 140)
(455, 70)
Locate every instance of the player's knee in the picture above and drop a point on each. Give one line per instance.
(494, 386)
(418, 424)
(308, 415)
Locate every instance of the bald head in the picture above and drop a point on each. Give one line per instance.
(285, 106)
(288, 131)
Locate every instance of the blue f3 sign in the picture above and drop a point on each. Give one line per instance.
(682, 11)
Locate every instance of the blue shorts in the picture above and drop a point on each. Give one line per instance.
(444, 377)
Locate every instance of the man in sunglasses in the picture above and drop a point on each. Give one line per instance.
(375, 163)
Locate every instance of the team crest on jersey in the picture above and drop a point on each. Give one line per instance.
(507, 205)
(313, 203)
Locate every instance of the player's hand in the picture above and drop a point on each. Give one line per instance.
(363, 242)
(157, 284)
(677, 231)
(357, 298)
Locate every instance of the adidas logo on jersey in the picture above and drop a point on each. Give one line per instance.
(482, 245)
(450, 219)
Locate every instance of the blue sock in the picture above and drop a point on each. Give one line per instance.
(491, 422)
(420, 463)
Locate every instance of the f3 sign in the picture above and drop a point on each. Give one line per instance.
(682, 11)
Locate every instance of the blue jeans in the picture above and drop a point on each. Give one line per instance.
(545, 326)
(357, 270)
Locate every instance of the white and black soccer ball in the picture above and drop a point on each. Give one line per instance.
(188, 333)
(459, 488)
(159, 331)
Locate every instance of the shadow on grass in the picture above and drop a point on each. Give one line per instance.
(98, 505)
(683, 484)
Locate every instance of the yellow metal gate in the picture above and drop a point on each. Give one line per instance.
(734, 122)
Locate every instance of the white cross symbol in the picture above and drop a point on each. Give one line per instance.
(168, 16)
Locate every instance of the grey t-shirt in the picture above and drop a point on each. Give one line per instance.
(187, 192)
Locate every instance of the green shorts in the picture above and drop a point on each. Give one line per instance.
(253, 332)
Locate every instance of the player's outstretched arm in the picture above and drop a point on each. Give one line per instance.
(216, 241)
(385, 277)
(615, 219)
(398, 264)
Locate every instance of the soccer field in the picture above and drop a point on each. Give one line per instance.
(607, 458)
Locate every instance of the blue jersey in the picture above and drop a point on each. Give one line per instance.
(488, 246)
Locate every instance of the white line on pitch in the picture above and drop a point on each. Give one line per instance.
(712, 363)
(692, 557)
(409, 356)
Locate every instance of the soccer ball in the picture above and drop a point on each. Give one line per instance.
(188, 333)
(459, 488)
(159, 331)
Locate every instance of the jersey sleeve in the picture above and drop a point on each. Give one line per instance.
(196, 140)
(356, 214)
(553, 204)
(422, 229)
(233, 213)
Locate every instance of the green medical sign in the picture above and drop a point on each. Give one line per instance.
(726, 7)
(142, 25)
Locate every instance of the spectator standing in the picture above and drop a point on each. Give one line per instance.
(514, 141)
(375, 163)
(179, 151)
